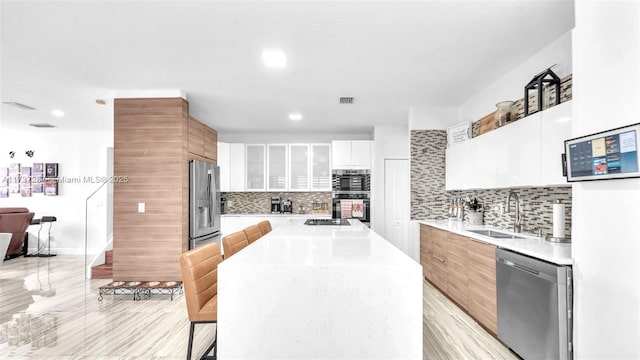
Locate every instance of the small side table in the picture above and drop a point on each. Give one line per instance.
(44, 219)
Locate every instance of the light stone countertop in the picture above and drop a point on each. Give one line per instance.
(322, 292)
(557, 253)
(270, 214)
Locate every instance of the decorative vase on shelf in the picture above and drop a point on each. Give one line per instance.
(503, 113)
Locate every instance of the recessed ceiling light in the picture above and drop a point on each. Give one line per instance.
(295, 117)
(274, 58)
(57, 113)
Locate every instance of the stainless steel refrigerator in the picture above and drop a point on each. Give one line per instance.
(204, 203)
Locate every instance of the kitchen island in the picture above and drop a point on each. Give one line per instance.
(338, 292)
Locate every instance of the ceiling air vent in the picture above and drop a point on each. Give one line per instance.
(42, 125)
(18, 105)
(346, 100)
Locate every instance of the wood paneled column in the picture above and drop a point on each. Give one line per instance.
(151, 153)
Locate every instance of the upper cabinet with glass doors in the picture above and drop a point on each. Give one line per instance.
(277, 167)
(320, 167)
(299, 167)
(287, 167)
(255, 167)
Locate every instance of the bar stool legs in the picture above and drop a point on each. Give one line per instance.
(213, 346)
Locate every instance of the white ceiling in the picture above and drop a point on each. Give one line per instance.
(389, 55)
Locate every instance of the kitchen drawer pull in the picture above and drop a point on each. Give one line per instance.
(438, 258)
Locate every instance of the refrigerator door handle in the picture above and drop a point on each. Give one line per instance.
(210, 198)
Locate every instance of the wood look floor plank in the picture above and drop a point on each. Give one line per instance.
(48, 311)
(450, 333)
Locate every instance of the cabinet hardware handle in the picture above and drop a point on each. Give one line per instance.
(438, 258)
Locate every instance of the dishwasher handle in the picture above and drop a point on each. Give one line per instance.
(520, 267)
(528, 270)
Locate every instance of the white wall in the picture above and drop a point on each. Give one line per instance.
(78, 155)
(511, 85)
(389, 142)
(606, 214)
(432, 117)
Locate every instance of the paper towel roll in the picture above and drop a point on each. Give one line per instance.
(558, 220)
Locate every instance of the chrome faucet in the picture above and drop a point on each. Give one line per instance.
(517, 225)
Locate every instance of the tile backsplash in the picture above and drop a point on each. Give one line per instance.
(536, 207)
(429, 200)
(260, 202)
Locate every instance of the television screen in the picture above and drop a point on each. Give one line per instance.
(611, 154)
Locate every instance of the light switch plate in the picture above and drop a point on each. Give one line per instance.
(141, 207)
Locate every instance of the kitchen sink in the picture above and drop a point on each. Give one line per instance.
(495, 234)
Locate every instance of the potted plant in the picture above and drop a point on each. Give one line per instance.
(475, 212)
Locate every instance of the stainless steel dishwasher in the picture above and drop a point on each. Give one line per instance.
(534, 306)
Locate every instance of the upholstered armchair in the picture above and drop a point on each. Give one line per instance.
(15, 221)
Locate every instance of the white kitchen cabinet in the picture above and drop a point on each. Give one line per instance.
(458, 166)
(517, 152)
(471, 164)
(320, 167)
(231, 162)
(522, 154)
(277, 165)
(483, 163)
(299, 167)
(255, 167)
(351, 154)
(223, 163)
(556, 124)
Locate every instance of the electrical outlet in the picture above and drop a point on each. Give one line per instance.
(141, 207)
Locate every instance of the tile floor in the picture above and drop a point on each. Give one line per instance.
(48, 311)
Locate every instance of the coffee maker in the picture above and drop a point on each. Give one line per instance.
(223, 205)
(275, 204)
(287, 207)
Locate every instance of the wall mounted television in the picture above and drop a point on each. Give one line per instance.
(611, 154)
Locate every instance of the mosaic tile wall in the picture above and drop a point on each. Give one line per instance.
(429, 200)
(566, 93)
(536, 207)
(260, 202)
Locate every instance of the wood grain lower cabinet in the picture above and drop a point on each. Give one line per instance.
(439, 256)
(457, 269)
(482, 284)
(464, 269)
(426, 251)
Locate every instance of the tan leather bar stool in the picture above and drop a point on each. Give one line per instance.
(233, 243)
(253, 233)
(200, 280)
(265, 227)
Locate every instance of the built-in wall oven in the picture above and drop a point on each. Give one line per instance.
(352, 206)
(351, 180)
(350, 195)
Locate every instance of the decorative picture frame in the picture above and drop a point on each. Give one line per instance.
(51, 170)
(459, 133)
